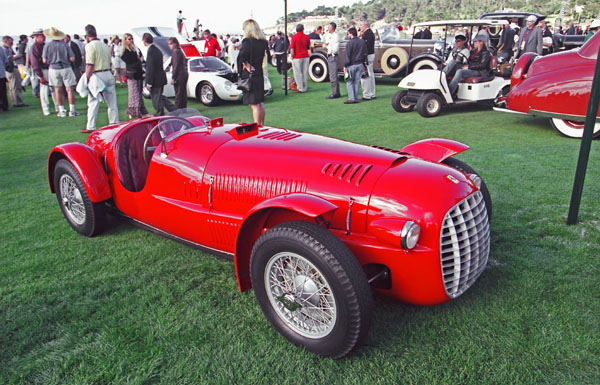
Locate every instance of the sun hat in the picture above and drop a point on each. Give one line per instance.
(54, 33)
(481, 37)
(595, 24)
(531, 18)
(37, 31)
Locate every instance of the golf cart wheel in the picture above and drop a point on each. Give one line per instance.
(311, 288)
(429, 105)
(84, 216)
(466, 169)
(572, 129)
(399, 102)
(207, 94)
(317, 70)
(425, 64)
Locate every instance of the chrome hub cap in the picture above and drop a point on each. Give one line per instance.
(300, 295)
(432, 106)
(207, 94)
(72, 200)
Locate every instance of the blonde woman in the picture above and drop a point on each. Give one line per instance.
(117, 63)
(135, 78)
(249, 64)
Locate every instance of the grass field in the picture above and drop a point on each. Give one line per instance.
(129, 306)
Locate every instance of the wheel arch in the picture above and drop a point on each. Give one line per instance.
(435, 150)
(88, 166)
(269, 213)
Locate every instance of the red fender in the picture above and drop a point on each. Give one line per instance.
(521, 67)
(435, 150)
(306, 205)
(88, 166)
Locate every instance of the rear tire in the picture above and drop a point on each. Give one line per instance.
(311, 288)
(429, 105)
(84, 216)
(570, 129)
(399, 102)
(466, 169)
(318, 70)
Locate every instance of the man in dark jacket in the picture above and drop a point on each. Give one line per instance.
(76, 64)
(479, 64)
(280, 48)
(507, 41)
(355, 60)
(180, 73)
(156, 78)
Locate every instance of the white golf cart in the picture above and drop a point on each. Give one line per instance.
(428, 89)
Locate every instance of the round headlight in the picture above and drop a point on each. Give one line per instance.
(410, 235)
(476, 180)
(228, 85)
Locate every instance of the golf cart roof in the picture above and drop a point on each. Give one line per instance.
(510, 15)
(460, 23)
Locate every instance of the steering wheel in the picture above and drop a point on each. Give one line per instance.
(165, 128)
(460, 57)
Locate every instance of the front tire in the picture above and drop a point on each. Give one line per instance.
(207, 95)
(399, 102)
(571, 129)
(466, 169)
(318, 70)
(429, 105)
(311, 288)
(84, 216)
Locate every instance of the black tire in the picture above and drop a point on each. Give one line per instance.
(429, 105)
(86, 217)
(466, 169)
(207, 95)
(329, 261)
(318, 70)
(399, 102)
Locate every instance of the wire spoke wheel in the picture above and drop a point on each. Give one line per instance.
(300, 294)
(71, 199)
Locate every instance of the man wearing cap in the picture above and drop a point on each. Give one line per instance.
(530, 38)
(97, 63)
(13, 77)
(479, 64)
(40, 69)
(58, 55)
(457, 57)
(332, 42)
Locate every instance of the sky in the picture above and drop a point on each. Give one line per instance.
(118, 16)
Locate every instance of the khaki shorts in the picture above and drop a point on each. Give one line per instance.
(61, 77)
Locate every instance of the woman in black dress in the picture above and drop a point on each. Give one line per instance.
(250, 63)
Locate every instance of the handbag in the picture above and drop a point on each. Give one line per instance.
(244, 84)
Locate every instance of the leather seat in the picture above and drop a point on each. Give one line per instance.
(481, 79)
(131, 168)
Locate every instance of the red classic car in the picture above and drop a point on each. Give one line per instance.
(313, 224)
(556, 86)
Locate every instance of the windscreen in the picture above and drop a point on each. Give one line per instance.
(206, 64)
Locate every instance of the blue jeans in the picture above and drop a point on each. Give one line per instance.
(459, 77)
(355, 72)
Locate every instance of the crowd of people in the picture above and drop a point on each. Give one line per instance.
(57, 65)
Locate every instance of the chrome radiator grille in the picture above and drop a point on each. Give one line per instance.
(464, 244)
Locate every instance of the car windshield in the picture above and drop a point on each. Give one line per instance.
(205, 64)
(179, 122)
(390, 32)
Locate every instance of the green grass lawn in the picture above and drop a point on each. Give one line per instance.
(129, 306)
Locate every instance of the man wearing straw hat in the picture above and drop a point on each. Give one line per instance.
(97, 63)
(58, 55)
(40, 69)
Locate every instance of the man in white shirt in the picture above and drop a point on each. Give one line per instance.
(332, 41)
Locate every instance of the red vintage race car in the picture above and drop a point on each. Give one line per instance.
(313, 224)
(556, 86)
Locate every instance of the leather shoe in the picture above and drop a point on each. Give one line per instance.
(332, 96)
(350, 101)
(86, 131)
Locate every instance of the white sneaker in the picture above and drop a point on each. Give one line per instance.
(61, 114)
(46, 113)
(74, 113)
